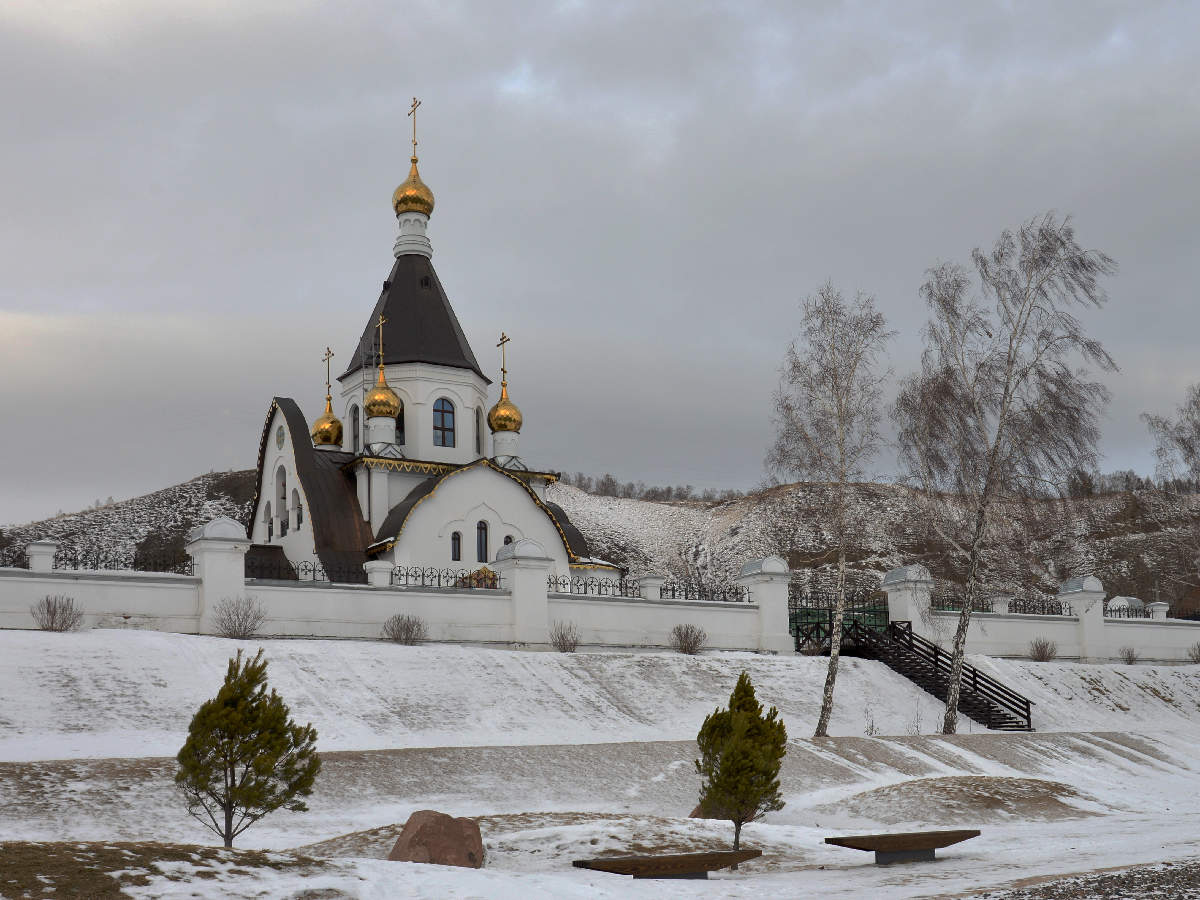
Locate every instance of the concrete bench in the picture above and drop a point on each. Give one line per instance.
(670, 865)
(913, 846)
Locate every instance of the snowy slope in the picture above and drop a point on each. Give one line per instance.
(132, 693)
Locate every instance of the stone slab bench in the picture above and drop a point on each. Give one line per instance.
(912, 846)
(670, 865)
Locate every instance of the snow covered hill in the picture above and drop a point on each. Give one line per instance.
(1113, 536)
(131, 693)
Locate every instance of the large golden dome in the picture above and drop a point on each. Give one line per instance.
(413, 195)
(504, 416)
(381, 400)
(327, 430)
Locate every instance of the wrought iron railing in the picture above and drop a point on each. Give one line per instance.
(14, 558)
(954, 603)
(307, 570)
(74, 558)
(1039, 606)
(458, 579)
(1126, 612)
(695, 590)
(594, 587)
(811, 614)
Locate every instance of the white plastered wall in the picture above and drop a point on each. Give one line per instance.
(419, 385)
(299, 543)
(463, 499)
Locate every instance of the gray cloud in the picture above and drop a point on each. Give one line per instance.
(196, 202)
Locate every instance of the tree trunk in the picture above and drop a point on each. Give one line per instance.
(228, 827)
(737, 839)
(950, 722)
(835, 644)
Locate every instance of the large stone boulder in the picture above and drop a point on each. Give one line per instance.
(433, 837)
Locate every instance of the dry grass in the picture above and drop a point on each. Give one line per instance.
(100, 869)
(1129, 655)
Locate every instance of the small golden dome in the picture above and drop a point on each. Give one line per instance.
(504, 416)
(413, 195)
(327, 430)
(381, 400)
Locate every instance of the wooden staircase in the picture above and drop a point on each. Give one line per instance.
(922, 662)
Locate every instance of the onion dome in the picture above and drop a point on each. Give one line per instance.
(327, 430)
(504, 416)
(381, 400)
(413, 195)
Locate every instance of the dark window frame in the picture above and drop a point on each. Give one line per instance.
(481, 541)
(456, 546)
(443, 422)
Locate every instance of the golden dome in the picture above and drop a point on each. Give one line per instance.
(327, 430)
(381, 400)
(504, 416)
(413, 195)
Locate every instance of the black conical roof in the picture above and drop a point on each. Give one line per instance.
(421, 325)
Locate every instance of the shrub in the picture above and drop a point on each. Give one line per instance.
(405, 629)
(57, 613)
(1129, 655)
(1193, 652)
(870, 729)
(689, 639)
(238, 617)
(812, 648)
(1042, 650)
(564, 637)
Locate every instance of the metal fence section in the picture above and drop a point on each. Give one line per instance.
(695, 590)
(954, 603)
(281, 570)
(594, 587)
(457, 579)
(1126, 612)
(811, 614)
(76, 559)
(1039, 606)
(14, 558)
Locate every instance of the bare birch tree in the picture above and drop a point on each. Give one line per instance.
(1002, 408)
(826, 416)
(1177, 448)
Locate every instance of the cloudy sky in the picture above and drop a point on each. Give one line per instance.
(196, 201)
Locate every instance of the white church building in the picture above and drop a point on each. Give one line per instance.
(415, 468)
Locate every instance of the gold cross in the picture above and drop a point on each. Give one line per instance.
(379, 327)
(504, 339)
(413, 112)
(327, 357)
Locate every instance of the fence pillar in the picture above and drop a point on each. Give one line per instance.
(1158, 609)
(650, 586)
(218, 549)
(379, 572)
(767, 581)
(41, 555)
(1000, 603)
(1086, 596)
(524, 568)
(908, 590)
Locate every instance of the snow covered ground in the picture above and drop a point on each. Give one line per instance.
(566, 756)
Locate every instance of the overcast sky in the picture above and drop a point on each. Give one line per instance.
(196, 201)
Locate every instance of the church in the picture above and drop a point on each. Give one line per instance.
(414, 468)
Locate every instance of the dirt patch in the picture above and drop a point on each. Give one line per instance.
(103, 869)
(964, 800)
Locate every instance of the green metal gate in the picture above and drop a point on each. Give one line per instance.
(810, 616)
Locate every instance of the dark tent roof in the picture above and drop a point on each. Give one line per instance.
(340, 534)
(573, 540)
(421, 325)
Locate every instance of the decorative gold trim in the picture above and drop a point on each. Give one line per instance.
(402, 465)
(595, 566)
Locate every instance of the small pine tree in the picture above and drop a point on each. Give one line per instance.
(741, 751)
(244, 757)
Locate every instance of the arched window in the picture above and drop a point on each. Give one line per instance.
(354, 430)
(481, 548)
(400, 425)
(456, 546)
(281, 499)
(270, 522)
(478, 431)
(508, 539)
(297, 507)
(443, 423)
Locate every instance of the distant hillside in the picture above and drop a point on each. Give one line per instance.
(1113, 536)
